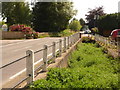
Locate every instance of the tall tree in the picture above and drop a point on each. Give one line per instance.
(16, 13)
(52, 16)
(108, 22)
(93, 15)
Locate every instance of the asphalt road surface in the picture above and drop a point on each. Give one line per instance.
(14, 51)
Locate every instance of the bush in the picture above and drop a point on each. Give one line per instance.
(36, 35)
(88, 40)
(21, 28)
(66, 32)
(88, 68)
(28, 31)
(75, 25)
(94, 30)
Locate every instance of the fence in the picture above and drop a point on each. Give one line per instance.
(57, 49)
(108, 42)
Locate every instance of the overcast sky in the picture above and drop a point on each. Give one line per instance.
(110, 6)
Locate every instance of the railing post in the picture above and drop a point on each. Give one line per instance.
(60, 47)
(30, 66)
(68, 42)
(118, 45)
(54, 53)
(80, 35)
(45, 58)
(71, 40)
(65, 44)
(74, 38)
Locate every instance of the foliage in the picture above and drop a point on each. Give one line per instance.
(16, 12)
(75, 25)
(88, 40)
(63, 33)
(1, 23)
(21, 28)
(66, 32)
(44, 35)
(93, 16)
(88, 68)
(52, 16)
(108, 22)
(82, 22)
(36, 35)
(94, 30)
(27, 30)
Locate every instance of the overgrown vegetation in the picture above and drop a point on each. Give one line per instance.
(88, 67)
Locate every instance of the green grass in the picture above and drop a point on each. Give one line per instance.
(64, 33)
(88, 67)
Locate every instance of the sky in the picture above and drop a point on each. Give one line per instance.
(110, 6)
(83, 6)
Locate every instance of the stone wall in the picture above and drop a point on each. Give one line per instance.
(12, 35)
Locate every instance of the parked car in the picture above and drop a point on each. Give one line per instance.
(87, 31)
(114, 34)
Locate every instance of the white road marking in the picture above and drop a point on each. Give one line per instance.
(18, 74)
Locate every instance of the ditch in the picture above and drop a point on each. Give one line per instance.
(88, 67)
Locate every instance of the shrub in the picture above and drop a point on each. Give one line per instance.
(87, 40)
(88, 68)
(94, 30)
(21, 28)
(36, 35)
(66, 32)
(28, 31)
(75, 25)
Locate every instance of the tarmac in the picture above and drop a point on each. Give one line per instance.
(6, 42)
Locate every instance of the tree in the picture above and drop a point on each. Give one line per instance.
(82, 22)
(52, 16)
(93, 15)
(75, 25)
(108, 22)
(16, 13)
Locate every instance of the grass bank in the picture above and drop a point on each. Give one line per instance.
(88, 67)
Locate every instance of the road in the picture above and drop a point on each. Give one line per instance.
(11, 52)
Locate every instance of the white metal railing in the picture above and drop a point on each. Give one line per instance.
(108, 42)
